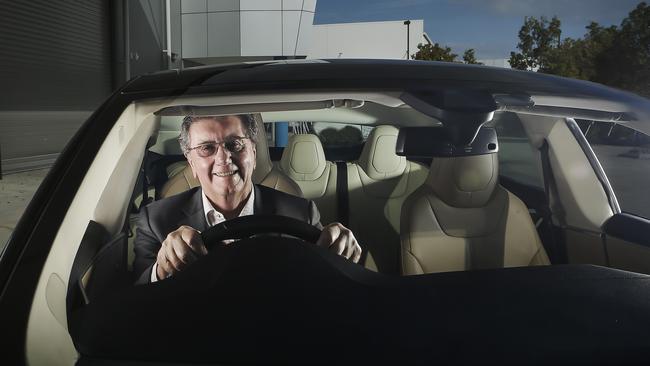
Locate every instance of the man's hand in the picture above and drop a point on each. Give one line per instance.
(181, 247)
(341, 241)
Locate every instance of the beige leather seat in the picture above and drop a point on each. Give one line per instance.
(462, 219)
(303, 160)
(265, 173)
(378, 184)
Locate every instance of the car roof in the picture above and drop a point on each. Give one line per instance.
(512, 90)
(368, 73)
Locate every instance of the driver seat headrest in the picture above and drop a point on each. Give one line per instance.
(263, 163)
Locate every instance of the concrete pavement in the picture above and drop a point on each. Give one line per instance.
(16, 190)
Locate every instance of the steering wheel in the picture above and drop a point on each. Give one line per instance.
(246, 226)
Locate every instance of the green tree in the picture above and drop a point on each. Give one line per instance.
(597, 42)
(434, 52)
(537, 38)
(626, 63)
(577, 58)
(614, 56)
(566, 59)
(470, 58)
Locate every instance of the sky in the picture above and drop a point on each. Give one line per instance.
(490, 27)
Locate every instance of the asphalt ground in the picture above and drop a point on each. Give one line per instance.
(16, 190)
(628, 171)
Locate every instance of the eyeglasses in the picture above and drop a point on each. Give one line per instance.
(234, 144)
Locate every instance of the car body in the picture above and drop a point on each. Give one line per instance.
(575, 310)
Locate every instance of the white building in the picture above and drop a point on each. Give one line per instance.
(496, 62)
(219, 31)
(386, 40)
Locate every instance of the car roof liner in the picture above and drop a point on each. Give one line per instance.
(217, 110)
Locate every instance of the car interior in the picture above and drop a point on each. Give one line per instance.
(524, 193)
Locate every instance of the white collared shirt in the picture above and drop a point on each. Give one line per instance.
(214, 217)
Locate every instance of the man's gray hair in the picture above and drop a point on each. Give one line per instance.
(247, 120)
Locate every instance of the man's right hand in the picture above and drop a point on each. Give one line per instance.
(182, 247)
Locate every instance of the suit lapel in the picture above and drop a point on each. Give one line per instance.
(263, 203)
(194, 213)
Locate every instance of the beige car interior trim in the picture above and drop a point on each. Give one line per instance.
(437, 237)
(583, 198)
(462, 219)
(303, 160)
(101, 196)
(595, 164)
(584, 202)
(581, 103)
(221, 110)
(585, 247)
(378, 184)
(628, 256)
(387, 98)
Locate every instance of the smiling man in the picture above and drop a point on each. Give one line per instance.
(221, 151)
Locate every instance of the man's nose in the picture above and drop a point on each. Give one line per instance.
(223, 156)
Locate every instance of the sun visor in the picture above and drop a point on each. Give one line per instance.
(462, 112)
(428, 142)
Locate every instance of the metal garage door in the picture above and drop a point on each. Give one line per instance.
(54, 71)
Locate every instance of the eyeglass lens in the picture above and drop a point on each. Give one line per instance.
(233, 145)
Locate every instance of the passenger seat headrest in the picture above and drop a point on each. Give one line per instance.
(461, 176)
(303, 158)
(435, 141)
(466, 181)
(378, 158)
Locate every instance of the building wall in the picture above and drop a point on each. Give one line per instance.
(366, 40)
(55, 69)
(218, 30)
(496, 62)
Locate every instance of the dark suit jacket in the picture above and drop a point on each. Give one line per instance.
(160, 218)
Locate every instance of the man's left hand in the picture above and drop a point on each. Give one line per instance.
(341, 241)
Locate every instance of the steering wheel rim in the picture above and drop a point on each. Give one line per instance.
(247, 226)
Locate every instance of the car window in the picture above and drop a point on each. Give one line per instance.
(330, 134)
(341, 141)
(624, 154)
(338, 134)
(518, 159)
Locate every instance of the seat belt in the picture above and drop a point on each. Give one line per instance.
(343, 202)
(145, 179)
(342, 194)
(546, 213)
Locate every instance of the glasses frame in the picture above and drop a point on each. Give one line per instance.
(221, 145)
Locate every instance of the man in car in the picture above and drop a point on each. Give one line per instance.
(221, 151)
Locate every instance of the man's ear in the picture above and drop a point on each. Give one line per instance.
(254, 156)
(189, 160)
